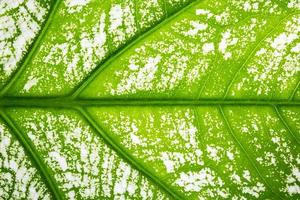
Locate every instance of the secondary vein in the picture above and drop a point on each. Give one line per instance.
(33, 154)
(285, 124)
(34, 48)
(249, 158)
(127, 157)
(123, 49)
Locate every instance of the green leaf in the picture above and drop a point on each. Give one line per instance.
(158, 99)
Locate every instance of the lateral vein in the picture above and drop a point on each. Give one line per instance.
(134, 163)
(33, 154)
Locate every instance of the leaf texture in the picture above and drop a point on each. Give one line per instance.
(158, 99)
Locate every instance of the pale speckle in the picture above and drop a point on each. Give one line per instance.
(59, 159)
(274, 67)
(76, 5)
(246, 175)
(268, 142)
(255, 190)
(213, 152)
(20, 23)
(141, 76)
(292, 182)
(200, 180)
(195, 181)
(105, 26)
(30, 83)
(203, 12)
(196, 28)
(281, 41)
(208, 47)
(116, 14)
(247, 6)
(83, 165)
(294, 4)
(296, 48)
(226, 41)
(230, 155)
(19, 179)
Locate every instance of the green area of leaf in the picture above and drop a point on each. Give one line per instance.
(158, 99)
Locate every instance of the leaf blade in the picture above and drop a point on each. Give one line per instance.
(159, 102)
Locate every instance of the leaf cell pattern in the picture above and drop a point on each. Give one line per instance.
(158, 99)
(19, 178)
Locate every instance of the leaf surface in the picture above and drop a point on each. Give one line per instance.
(159, 99)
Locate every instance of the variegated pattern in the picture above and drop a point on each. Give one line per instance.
(156, 99)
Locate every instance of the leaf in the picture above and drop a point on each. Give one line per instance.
(158, 99)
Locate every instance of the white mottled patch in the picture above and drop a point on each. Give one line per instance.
(20, 23)
(281, 41)
(116, 17)
(292, 182)
(204, 12)
(140, 77)
(76, 5)
(296, 48)
(213, 152)
(196, 27)
(83, 165)
(19, 179)
(230, 155)
(294, 4)
(196, 181)
(61, 160)
(208, 47)
(254, 191)
(30, 83)
(226, 41)
(200, 181)
(275, 64)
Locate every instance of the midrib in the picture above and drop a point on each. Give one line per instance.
(65, 102)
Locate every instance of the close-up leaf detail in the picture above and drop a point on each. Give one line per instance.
(149, 99)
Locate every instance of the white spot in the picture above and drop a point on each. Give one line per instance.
(294, 4)
(255, 190)
(230, 155)
(133, 67)
(135, 139)
(201, 12)
(282, 40)
(75, 5)
(35, 8)
(59, 159)
(236, 178)
(195, 181)
(204, 12)
(213, 153)
(140, 79)
(246, 175)
(292, 181)
(296, 173)
(261, 51)
(196, 28)
(116, 14)
(293, 189)
(247, 6)
(30, 83)
(208, 47)
(169, 164)
(225, 42)
(296, 49)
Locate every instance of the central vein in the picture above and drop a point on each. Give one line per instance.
(67, 102)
